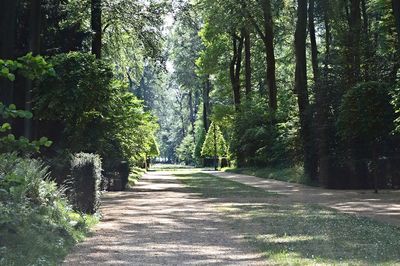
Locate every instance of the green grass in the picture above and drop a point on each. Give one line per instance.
(170, 167)
(296, 234)
(293, 174)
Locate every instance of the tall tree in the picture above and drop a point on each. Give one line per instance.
(34, 47)
(266, 33)
(313, 41)
(247, 55)
(396, 12)
(8, 20)
(206, 103)
(235, 67)
(96, 25)
(354, 38)
(310, 164)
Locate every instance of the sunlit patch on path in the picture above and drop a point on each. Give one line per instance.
(160, 222)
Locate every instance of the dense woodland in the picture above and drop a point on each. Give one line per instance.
(101, 87)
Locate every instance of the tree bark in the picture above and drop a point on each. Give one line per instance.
(8, 20)
(247, 51)
(325, 164)
(235, 68)
(192, 115)
(310, 164)
(270, 57)
(396, 12)
(96, 27)
(34, 47)
(206, 103)
(354, 42)
(313, 41)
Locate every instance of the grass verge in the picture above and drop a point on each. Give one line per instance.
(293, 174)
(42, 240)
(296, 234)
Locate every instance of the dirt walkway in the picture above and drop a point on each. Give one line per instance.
(161, 223)
(384, 206)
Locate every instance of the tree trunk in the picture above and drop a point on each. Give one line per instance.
(325, 163)
(192, 115)
(96, 27)
(215, 148)
(8, 20)
(247, 51)
(34, 47)
(270, 56)
(310, 165)
(396, 12)
(266, 33)
(206, 103)
(354, 42)
(313, 40)
(235, 68)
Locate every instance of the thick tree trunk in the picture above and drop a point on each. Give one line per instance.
(206, 103)
(322, 115)
(34, 47)
(354, 42)
(396, 12)
(235, 68)
(310, 164)
(270, 56)
(313, 41)
(192, 115)
(247, 52)
(8, 19)
(96, 27)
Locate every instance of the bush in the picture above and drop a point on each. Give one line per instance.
(85, 182)
(37, 224)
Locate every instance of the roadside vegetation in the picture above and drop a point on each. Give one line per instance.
(296, 234)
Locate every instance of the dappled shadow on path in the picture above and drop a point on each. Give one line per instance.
(160, 223)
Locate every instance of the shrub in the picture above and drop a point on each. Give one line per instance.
(37, 224)
(85, 182)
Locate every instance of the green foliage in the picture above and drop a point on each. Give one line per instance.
(214, 144)
(185, 150)
(85, 182)
(8, 142)
(366, 113)
(99, 114)
(31, 67)
(34, 210)
(81, 83)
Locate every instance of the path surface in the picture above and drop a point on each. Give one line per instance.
(384, 206)
(160, 222)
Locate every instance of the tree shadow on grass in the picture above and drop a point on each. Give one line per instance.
(296, 233)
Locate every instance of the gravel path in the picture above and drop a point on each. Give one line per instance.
(160, 222)
(384, 206)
